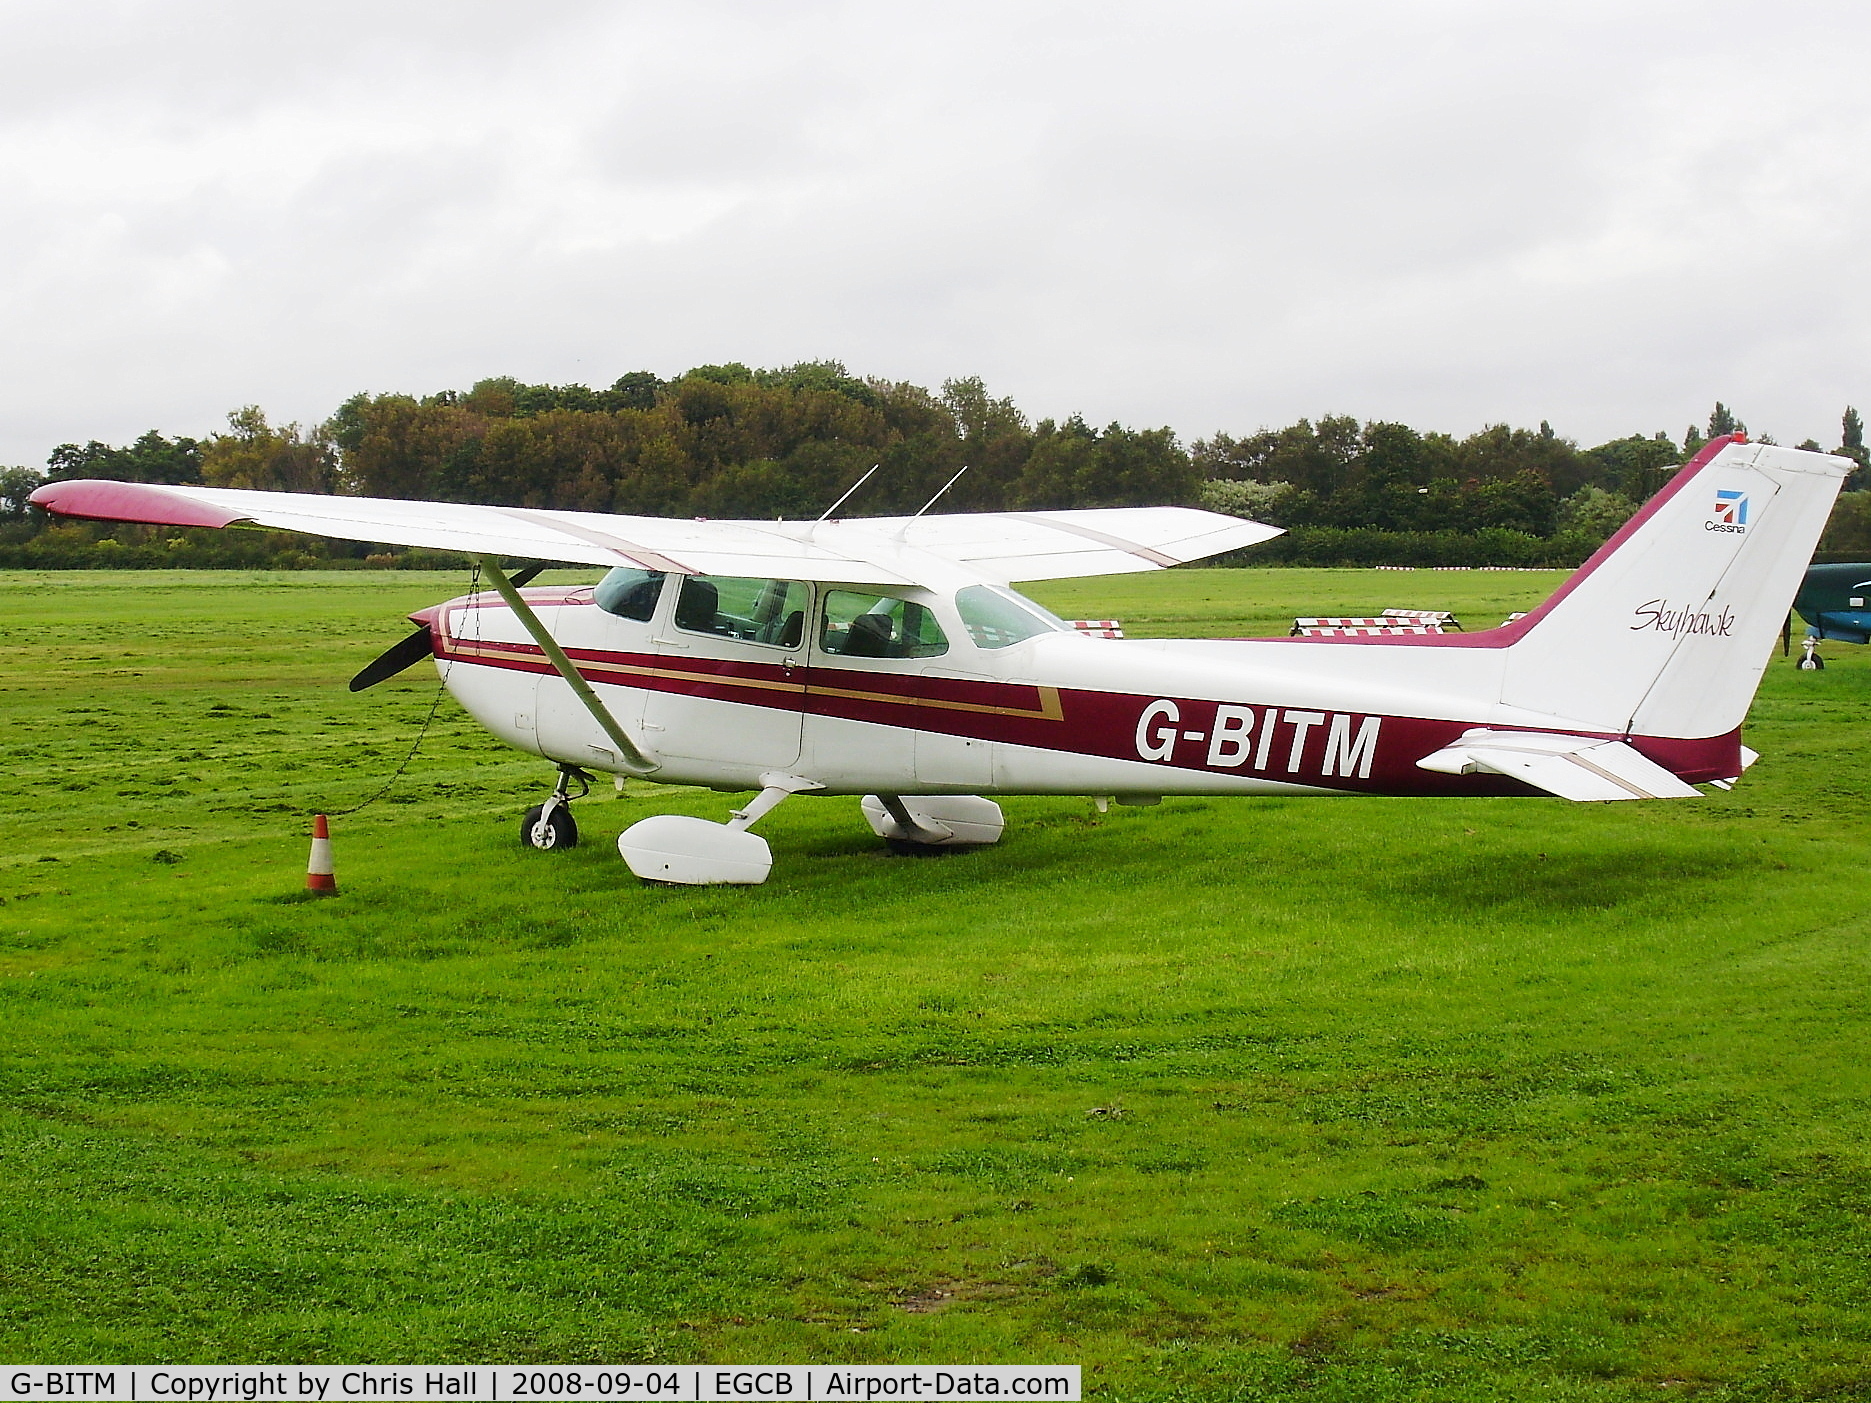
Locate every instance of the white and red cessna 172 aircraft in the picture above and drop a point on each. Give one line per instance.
(888, 658)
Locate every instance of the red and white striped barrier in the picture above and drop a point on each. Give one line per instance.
(1379, 630)
(1440, 617)
(1351, 627)
(1098, 628)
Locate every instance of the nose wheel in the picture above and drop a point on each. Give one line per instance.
(1810, 661)
(550, 826)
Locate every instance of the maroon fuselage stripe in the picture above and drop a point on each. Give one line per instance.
(1084, 722)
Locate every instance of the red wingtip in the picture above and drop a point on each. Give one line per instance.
(130, 501)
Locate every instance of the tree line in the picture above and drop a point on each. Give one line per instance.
(730, 441)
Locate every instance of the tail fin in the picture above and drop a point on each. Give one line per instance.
(1666, 630)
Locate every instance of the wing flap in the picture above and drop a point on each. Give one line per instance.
(1057, 545)
(1585, 769)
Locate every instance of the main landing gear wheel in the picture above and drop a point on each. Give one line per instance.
(549, 831)
(934, 824)
(677, 850)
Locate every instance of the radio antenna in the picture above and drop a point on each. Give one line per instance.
(848, 491)
(938, 496)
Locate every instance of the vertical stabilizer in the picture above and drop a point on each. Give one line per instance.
(1666, 630)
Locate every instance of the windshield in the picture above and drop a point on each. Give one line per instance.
(999, 618)
(629, 593)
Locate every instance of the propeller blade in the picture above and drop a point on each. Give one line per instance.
(393, 660)
(1786, 636)
(417, 646)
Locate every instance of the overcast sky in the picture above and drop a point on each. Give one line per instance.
(1212, 216)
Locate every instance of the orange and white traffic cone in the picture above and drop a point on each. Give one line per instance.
(318, 873)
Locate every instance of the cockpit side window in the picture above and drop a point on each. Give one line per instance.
(878, 626)
(629, 593)
(999, 618)
(772, 612)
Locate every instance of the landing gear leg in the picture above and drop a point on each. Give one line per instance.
(908, 837)
(550, 825)
(1810, 661)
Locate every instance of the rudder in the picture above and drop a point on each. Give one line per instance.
(1666, 630)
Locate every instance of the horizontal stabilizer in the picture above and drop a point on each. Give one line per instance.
(1581, 768)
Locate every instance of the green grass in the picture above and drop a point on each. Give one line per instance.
(1293, 1098)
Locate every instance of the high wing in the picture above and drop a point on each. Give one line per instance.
(1006, 546)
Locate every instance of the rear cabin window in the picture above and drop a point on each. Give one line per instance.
(772, 612)
(629, 593)
(997, 618)
(877, 626)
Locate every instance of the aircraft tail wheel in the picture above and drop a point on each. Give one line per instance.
(549, 831)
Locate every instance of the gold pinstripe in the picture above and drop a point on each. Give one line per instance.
(1050, 708)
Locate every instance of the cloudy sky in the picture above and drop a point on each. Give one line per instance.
(1208, 215)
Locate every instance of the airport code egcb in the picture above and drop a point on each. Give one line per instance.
(470, 1384)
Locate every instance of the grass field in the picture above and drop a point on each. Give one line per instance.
(1301, 1098)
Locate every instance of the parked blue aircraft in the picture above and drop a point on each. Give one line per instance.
(1835, 601)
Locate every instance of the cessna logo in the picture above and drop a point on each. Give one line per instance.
(1731, 512)
(1658, 615)
(1269, 739)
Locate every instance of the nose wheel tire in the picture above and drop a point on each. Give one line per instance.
(549, 831)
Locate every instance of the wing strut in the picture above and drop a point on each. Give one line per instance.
(633, 758)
